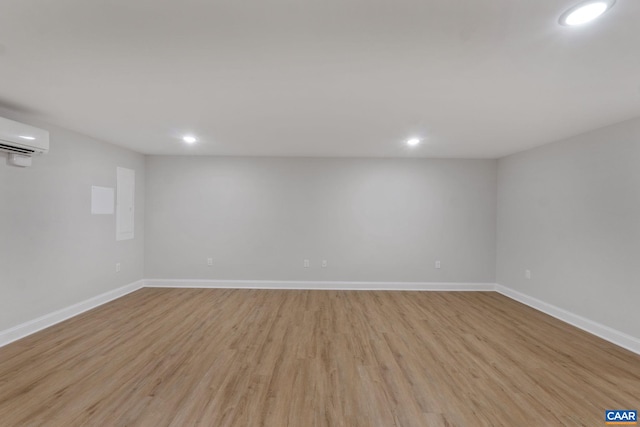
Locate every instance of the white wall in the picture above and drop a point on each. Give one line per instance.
(372, 219)
(53, 252)
(570, 212)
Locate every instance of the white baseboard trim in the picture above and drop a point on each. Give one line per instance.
(606, 333)
(609, 334)
(319, 285)
(27, 328)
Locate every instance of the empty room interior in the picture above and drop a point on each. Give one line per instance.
(319, 213)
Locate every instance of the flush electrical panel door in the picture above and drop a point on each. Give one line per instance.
(125, 203)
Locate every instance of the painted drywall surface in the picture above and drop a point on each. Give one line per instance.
(570, 213)
(53, 252)
(371, 219)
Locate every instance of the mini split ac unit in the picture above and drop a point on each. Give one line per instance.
(22, 141)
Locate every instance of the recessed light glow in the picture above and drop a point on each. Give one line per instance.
(413, 142)
(585, 12)
(30, 138)
(189, 139)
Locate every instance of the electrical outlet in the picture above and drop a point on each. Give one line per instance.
(527, 274)
(209, 262)
(306, 263)
(118, 267)
(437, 264)
(324, 263)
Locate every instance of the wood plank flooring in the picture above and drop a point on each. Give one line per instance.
(203, 357)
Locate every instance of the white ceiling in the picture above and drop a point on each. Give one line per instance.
(320, 77)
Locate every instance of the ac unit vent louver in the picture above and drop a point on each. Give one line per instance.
(12, 149)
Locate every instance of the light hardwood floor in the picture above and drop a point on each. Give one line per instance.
(187, 357)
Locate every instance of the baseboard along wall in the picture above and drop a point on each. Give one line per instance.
(32, 326)
(609, 334)
(318, 285)
(606, 333)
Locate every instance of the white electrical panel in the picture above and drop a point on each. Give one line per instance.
(125, 203)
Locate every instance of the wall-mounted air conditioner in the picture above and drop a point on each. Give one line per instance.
(22, 141)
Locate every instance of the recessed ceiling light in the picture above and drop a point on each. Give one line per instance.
(30, 138)
(413, 142)
(585, 12)
(189, 139)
